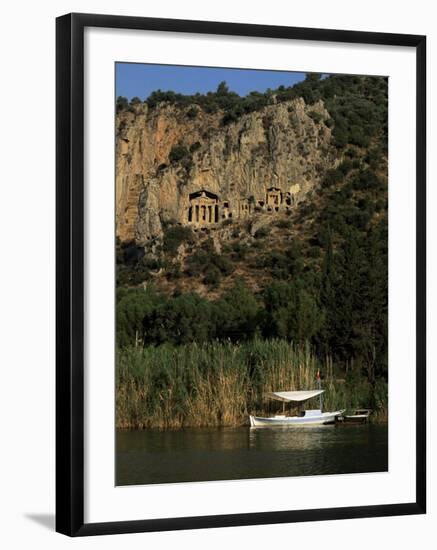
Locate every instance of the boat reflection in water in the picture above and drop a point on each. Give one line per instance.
(292, 438)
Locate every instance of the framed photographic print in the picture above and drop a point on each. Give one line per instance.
(240, 274)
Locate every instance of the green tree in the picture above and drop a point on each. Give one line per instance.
(291, 311)
(222, 89)
(132, 307)
(237, 313)
(179, 320)
(121, 103)
(178, 152)
(327, 293)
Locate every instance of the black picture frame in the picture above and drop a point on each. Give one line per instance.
(70, 273)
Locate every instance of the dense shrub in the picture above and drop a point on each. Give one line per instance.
(195, 146)
(178, 152)
(284, 224)
(212, 275)
(262, 232)
(365, 180)
(205, 259)
(174, 236)
(192, 112)
(121, 103)
(345, 167)
(332, 177)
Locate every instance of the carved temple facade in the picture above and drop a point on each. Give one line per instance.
(206, 208)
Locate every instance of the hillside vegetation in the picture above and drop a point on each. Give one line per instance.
(312, 278)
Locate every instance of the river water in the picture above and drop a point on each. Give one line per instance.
(207, 454)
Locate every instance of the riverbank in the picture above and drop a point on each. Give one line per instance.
(219, 383)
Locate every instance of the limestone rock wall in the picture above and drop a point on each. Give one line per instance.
(266, 160)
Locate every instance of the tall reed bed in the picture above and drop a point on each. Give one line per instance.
(220, 383)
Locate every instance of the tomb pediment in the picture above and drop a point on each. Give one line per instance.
(203, 193)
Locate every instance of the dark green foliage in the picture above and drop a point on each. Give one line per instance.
(351, 152)
(366, 180)
(192, 112)
(132, 307)
(284, 224)
(195, 146)
(174, 236)
(239, 250)
(133, 266)
(357, 137)
(345, 167)
(212, 276)
(290, 312)
(204, 259)
(340, 134)
(332, 177)
(222, 99)
(237, 314)
(356, 164)
(197, 263)
(121, 103)
(262, 232)
(179, 320)
(283, 265)
(223, 264)
(231, 116)
(374, 158)
(178, 152)
(155, 319)
(135, 101)
(353, 297)
(357, 105)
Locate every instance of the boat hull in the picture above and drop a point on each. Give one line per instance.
(356, 418)
(292, 421)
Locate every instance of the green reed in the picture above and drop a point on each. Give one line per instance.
(221, 383)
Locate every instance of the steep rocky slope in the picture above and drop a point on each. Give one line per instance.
(182, 165)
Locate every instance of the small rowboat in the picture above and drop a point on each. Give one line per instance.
(359, 416)
(304, 418)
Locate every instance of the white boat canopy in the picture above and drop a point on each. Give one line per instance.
(297, 396)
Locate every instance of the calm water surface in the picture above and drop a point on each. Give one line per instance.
(209, 454)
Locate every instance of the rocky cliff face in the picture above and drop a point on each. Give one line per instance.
(183, 166)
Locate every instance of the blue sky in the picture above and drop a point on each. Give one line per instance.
(137, 79)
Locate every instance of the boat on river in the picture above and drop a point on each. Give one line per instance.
(303, 417)
(358, 416)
